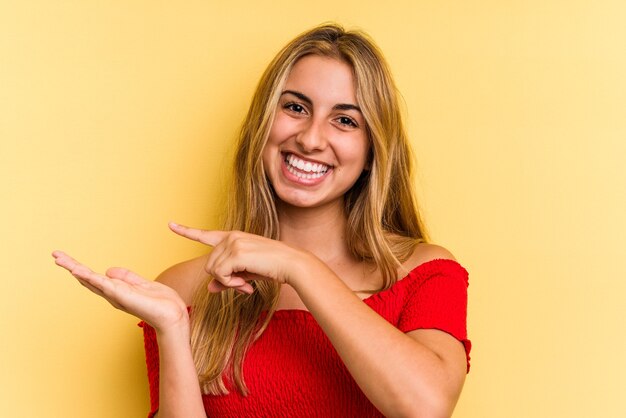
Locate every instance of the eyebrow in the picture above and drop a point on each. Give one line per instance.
(305, 98)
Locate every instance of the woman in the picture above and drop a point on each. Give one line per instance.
(321, 296)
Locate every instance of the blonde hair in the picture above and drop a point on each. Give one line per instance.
(383, 223)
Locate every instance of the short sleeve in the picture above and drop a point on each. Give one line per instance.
(437, 299)
(152, 364)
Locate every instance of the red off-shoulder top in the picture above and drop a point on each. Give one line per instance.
(292, 370)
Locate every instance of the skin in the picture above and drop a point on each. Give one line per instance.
(317, 120)
(425, 375)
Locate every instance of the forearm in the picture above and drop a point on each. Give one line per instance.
(179, 390)
(400, 376)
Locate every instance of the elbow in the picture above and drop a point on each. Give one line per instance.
(432, 405)
(423, 411)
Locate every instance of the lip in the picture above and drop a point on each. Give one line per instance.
(299, 180)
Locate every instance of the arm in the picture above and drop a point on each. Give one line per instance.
(179, 391)
(425, 374)
(160, 306)
(422, 378)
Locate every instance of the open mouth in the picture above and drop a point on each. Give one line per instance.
(305, 169)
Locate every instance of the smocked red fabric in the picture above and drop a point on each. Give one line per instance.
(292, 370)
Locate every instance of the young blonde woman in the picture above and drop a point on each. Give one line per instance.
(321, 296)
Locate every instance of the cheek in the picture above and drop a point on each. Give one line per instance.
(273, 140)
(361, 151)
(279, 127)
(273, 132)
(271, 156)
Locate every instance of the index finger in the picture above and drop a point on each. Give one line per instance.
(94, 281)
(211, 238)
(66, 261)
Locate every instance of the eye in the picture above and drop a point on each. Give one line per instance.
(294, 107)
(346, 121)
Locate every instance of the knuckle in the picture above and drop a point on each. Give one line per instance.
(218, 274)
(237, 246)
(207, 268)
(236, 236)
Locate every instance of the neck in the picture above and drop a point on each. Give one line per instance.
(320, 231)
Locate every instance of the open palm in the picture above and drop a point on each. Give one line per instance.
(153, 302)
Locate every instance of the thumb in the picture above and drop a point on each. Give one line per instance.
(125, 275)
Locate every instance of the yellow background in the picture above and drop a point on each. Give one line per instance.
(118, 116)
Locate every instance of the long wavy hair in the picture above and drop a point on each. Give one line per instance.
(383, 223)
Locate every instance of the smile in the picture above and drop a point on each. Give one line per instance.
(305, 169)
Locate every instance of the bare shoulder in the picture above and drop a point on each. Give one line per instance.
(424, 253)
(185, 277)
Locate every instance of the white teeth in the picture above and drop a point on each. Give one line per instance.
(302, 175)
(315, 170)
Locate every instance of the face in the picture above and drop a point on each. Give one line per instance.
(317, 146)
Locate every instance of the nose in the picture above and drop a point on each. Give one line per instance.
(312, 137)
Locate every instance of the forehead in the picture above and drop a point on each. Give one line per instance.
(323, 78)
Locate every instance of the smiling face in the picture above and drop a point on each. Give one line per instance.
(318, 145)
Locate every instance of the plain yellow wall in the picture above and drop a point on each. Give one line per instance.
(118, 116)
